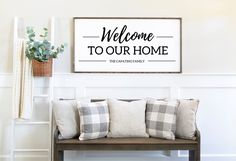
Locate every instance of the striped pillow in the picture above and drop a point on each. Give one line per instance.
(94, 120)
(161, 118)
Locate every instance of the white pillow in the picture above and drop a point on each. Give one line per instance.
(127, 119)
(67, 117)
(186, 118)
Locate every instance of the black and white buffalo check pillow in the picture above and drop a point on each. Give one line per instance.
(161, 118)
(94, 120)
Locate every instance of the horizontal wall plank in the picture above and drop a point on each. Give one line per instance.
(145, 80)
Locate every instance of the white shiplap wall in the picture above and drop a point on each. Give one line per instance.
(215, 118)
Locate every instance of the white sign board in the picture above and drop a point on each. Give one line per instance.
(127, 45)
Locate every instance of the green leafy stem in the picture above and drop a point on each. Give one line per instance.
(41, 50)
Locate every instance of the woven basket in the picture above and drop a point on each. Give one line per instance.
(42, 69)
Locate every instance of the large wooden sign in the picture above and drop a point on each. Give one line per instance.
(127, 45)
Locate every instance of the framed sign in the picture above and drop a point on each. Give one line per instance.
(127, 45)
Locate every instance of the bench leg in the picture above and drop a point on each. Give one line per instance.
(194, 155)
(58, 155)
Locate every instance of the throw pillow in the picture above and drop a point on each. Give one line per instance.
(161, 118)
(67, 118)
(94, 120)
(186, 118)
(127, 119)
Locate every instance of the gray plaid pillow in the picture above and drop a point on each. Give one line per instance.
(94, 120)
(161, 118)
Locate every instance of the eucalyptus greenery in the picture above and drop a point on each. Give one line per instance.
(41, 50)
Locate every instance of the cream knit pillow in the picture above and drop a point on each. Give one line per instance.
(186, 118)
(127, 119)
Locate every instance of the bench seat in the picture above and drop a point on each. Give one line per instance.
(148, 144)
(137, 141)
(126, 144)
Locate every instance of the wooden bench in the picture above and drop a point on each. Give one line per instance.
(136, 144)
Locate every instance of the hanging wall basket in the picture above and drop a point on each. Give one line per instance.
(42, 69)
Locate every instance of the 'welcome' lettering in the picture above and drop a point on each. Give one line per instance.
(124, 36)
